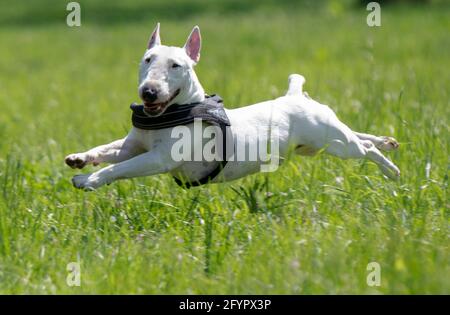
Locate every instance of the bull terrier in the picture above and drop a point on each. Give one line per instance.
(167, 78)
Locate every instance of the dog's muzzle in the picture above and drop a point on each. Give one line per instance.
(155, 109)
(149, 95)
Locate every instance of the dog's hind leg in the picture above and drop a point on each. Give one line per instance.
(383, 143)
(387, 167)
(296, 82)
(358, 149)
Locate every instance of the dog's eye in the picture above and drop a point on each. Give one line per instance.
(175, 65)
(147, 60)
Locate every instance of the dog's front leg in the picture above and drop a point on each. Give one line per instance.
(114, 152)
(149, 163)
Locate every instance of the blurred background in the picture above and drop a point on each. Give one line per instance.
(310, 228)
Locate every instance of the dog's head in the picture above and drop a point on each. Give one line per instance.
(166, 73)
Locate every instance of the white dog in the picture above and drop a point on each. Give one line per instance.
(167, 77)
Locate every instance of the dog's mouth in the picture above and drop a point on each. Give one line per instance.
(155, 109)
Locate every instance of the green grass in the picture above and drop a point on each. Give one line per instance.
(312, 227)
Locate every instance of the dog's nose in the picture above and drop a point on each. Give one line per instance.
(149, 94)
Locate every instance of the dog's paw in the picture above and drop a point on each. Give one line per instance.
(388, 144)
(391, 171)
(76, 160)
(396, 173)
(86, 182)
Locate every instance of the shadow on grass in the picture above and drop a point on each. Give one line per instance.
(44, 12)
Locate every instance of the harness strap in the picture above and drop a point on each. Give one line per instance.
(210, 111)
(206, 179)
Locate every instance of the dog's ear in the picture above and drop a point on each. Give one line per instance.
(154, 40)
(194, 44)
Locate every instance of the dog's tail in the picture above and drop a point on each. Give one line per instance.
(296, 82)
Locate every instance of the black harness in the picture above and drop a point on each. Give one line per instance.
(210, 111)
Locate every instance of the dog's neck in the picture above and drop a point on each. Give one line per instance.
(193, 91)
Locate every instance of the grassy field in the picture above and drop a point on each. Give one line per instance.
(310, 228)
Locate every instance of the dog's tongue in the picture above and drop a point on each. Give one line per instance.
(151, 106)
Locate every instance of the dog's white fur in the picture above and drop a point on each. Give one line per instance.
(302, 124)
